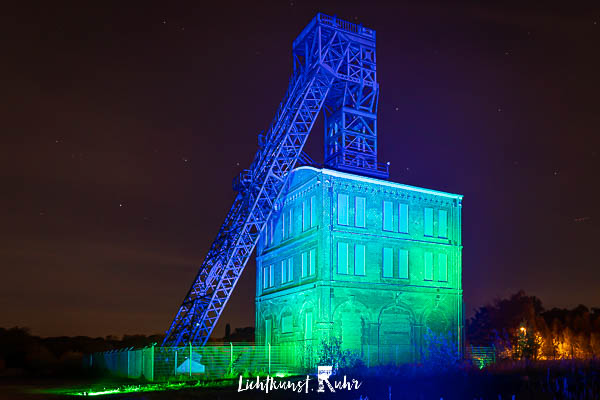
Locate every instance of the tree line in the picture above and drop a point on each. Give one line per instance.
(21, 352)
(519, 327)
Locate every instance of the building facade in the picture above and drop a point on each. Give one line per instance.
(373, 263)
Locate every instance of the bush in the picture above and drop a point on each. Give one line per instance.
(331, 353)
(441, 352)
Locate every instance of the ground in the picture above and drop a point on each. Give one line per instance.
(513, 380)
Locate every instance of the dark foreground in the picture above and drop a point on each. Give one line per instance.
(549, 380)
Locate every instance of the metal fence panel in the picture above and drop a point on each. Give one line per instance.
(232, 360)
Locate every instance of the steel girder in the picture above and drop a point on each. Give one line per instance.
(330, 55)
(351, 114)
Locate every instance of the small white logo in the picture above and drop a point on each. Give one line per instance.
(323, 374)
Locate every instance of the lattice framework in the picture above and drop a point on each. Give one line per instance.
(335, 69)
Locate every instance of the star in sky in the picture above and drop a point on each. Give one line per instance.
(581, 219)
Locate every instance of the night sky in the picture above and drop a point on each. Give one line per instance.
(123, 126)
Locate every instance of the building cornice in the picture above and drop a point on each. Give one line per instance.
(380, 182)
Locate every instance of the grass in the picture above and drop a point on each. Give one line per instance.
(523, 380)
(113, 388)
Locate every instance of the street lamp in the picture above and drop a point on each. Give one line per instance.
(524, 330)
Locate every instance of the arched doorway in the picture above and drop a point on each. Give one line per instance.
(351, 326)
(395, 336)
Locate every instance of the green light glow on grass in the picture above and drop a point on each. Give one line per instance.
(152, 387)
(99, 390)
(99, 393)
(116, 388)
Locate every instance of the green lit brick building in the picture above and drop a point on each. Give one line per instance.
(372, 262)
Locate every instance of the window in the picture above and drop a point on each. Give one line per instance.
(308, 326)
(428, 266)
(388, 262)
(313, 211)
(286, 224)
(359, 214)
(309, 218)
(305, 215)
(443, 267)
(443, 224)
(286, 324)
(304, 263)
(403, 263)
(359, 259)
(271, 230)
(428, 224)
(342, 209)
(287, 270)
(308, 263)
(387, 216)
(265, 277)
(342, 258)
(403, 217)
(283, 271)
(268, 280)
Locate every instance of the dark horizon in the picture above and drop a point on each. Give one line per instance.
(125, 126)
(549, 313)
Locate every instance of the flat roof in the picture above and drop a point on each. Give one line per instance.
(367, 179)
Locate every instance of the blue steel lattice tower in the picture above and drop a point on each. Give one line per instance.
(333, 60)
(335, 71)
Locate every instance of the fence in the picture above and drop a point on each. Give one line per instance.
(211, 361)
(481, 356)
(233, 359)
(126, 362)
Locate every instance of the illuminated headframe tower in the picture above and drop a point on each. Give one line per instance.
(343, 253)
